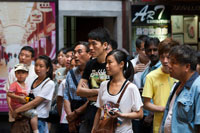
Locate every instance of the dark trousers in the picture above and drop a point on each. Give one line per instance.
(139, 126)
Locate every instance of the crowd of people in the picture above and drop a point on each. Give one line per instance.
(156, 91)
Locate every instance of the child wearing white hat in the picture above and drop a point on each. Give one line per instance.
(18, 93)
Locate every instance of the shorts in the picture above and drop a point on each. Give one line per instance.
(30, 113)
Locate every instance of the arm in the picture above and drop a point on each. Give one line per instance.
(84, 91)
(20, 98)
(30, 105)
(152, 107)
(59, 102)
(96, 120)
(8, 101)
(71, 116)
(131, 115)
(67, 106)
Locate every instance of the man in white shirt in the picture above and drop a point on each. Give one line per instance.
(141, 61)
(26, 56)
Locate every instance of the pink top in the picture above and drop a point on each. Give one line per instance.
(18, 90)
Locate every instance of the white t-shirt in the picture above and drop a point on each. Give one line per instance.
(61, 89)
(45, 92)
(130, 102)
(137, 76)
(168, 121)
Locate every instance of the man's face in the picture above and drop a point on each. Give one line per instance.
(141, 51)
(198, 68)
(176, 70)
(80, 55)
(109, 48)
(61, 59)
(152, 53)
(91, 50)
(68, 58)
(25, 57)
(164, 59)
(98, 47)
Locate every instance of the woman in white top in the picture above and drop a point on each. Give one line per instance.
(130, 106)
(42, 88)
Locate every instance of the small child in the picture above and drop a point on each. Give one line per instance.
(18, 92)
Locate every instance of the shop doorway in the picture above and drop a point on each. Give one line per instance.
(77, 28)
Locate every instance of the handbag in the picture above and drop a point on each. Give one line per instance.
(108, 125)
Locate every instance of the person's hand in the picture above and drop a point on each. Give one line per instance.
(139, 68)
(72, 127)
(93, 130)
(111, 113)
(72, 116)
(14, 114)
(162, 109)
(22, 99)
(84, 85)
(93, 98)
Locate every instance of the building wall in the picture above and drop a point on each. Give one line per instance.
(92, 8)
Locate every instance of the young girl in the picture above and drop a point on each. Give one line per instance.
(130, 106)
(42, 88)
(18, 92)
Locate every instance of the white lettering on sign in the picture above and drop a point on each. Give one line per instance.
(149, 15)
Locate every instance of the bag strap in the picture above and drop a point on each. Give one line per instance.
(73, 77)
(120, 97)
(45, 83)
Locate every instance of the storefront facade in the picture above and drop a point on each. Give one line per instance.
(77, 18)
(178, 19)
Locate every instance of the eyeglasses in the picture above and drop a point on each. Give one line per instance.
(142, 49)
(79, 51)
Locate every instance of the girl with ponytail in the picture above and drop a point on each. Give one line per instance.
(130, 106)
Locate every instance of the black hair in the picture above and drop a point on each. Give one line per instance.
(54, 61)
(140, 39)
(64, 50)
(120, 56)
(198, 57)
(84, 44)
(100, 34)
(69, 50)
(113, 44)
(30, 49)
(48, 64)
(165, 45)
(184, 54)
(151, 41)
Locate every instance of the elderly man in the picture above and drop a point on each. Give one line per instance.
(74, 105)
(182, 113)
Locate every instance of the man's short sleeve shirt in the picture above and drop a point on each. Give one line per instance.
(95, 73)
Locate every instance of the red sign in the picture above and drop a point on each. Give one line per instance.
(44, 6)
(36, 16)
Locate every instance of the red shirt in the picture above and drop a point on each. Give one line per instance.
(16, 88)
